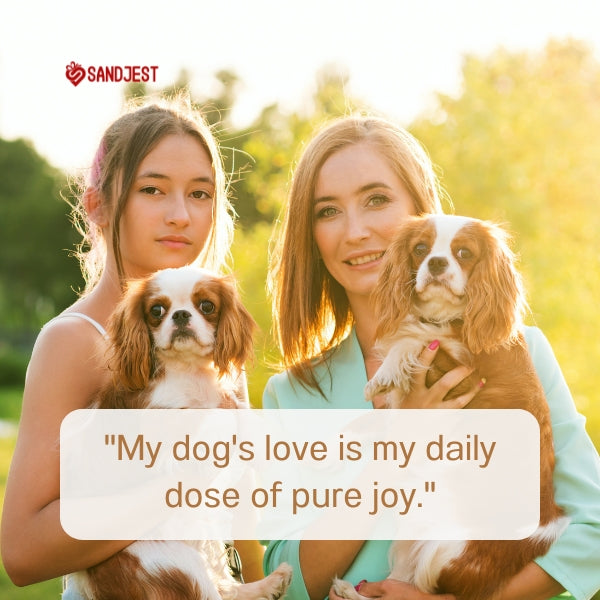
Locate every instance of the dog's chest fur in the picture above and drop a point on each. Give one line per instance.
(184, 390)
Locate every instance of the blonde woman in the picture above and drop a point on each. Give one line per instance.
(354, 183)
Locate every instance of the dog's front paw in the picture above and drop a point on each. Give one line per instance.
(392, 375)
(375, 387)
(272, 587)
(279, 581)
(345, 589)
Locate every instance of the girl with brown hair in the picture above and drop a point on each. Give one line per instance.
(155, 198)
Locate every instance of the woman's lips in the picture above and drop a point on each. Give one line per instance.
(364, 259)
(174, 241)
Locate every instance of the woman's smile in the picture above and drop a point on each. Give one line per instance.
(367, 260)
(359, 203)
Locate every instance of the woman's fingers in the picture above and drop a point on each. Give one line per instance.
(450, 380)
(426, 359)
(392, 589)
(461, 401)
(435, 397)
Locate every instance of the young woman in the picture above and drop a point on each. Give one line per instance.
(356, 180)
(156, 198)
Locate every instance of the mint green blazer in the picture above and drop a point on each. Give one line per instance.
(573, 560)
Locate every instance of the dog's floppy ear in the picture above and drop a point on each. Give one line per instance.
(393, 293)
(495, 297)
(235, 329)
(132, 354)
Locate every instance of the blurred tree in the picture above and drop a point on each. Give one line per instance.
(520, 145)
(258, 157)
(269, 147)
(135, 89)
(36, 273)
(250, 260)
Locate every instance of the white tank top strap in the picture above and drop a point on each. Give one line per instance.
(83, 316)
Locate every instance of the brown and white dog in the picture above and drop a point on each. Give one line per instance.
(453, 279)
(178, 339)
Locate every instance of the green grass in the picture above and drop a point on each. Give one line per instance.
(46, 590)
(10, 403)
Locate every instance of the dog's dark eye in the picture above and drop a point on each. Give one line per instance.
(420, 249)
(157, 311)
(206, 307)
(464, 253)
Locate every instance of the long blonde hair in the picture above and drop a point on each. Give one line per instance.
(311, 313)
(124, 145)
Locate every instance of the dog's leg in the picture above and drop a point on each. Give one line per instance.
(396, 370)
(403, 570)
(400, 553)
(345, 589)
(272, 587)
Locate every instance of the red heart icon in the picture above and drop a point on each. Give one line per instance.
(75, 73)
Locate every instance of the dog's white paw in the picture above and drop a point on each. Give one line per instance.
(278, 582)
(388, 379)
(345, 589)
(375, 387)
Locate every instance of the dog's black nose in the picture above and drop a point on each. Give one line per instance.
(437, 265)
(181, 317)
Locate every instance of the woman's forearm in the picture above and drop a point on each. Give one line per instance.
(532, 583)
(42, 550)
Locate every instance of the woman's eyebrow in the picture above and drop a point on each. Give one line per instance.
(361, 190)
(323, 199)
(375, 184)
(154, 175)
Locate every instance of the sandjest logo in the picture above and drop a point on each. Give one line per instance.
(76, 73)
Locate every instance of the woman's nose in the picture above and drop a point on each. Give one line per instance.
(178, 213)
(356, 227)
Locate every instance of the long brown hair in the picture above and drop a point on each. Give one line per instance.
(311, 313)
(123, 147)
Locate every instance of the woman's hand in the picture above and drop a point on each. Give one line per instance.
(421, 396)
(391, 589)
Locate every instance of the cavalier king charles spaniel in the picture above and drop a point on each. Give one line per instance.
(453, 279)
(178, 339)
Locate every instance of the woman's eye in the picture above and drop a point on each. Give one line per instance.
(150, 190)
(420, 249)
(464, 253)
(378, 200)
(206, 307)
(157, 311)
(327, 211)
(201, 195)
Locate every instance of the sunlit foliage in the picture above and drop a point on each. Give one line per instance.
(518, 144)
(521, 145)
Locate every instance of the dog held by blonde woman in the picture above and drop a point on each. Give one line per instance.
(453, 280)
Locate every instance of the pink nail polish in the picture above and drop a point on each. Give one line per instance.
(359, 584)
(434, 344)
(482, 382)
